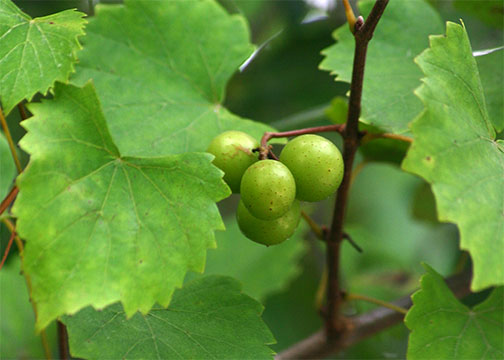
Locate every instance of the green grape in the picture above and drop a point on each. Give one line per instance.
(268, 189)
(268, 232)
(316, 164)
(233, 155)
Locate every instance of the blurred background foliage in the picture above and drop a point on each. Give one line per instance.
(391, 213)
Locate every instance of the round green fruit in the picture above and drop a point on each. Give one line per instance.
(268, 189)
(233, 155)
(268, 232)
(316, 164)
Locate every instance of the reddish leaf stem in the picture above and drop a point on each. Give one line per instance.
(335, 325)
(7, 249)
(313, 130)
(8, 199)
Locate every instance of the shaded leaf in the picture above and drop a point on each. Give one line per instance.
(488, 11)
(17, 333)
(262, 270)
(399, 37)
(209, 318)
(34, 53)
(455, 150)
(443, 328)
(102, 228)
(171, 61)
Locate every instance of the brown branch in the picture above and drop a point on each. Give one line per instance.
(335, 326)
(8, 199)
(365, 325)
(63, 341)
(313, 130)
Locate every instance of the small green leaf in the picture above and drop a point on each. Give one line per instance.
(7, 167)
(455, 150)
(102, 228)
(34, 53)
(491, 69)
(387, 99)
(208, 318)
(171, 61)
(262, 270)
(443, 328)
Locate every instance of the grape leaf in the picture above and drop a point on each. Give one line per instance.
(400, 36)
(444, 328)
(171, 61)
(455, 150)
(7, 168)
(17, 336)
(262, 270)
(491, 69)
(101, 227)
(209, 318)
(34, 53)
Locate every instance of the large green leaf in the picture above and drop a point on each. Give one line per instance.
(444, 328)
(455, 150)
(391, 76)
(34, 53)
(17, 334)
(262, 270)
(161, 69)
(7, 168)
(208, 318)
(491, 69)
(102, 228)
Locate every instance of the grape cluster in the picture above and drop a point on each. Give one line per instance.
(310, 169)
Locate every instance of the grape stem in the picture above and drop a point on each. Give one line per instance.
(364, 325)
(335, 323)
(265, 149)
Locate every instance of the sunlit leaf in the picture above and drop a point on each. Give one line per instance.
(34, 53)
(101, 227)
(455, 150)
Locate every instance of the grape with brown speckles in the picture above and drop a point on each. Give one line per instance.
(316, 164)
(268, 232)
(233, 155)
(268, 189)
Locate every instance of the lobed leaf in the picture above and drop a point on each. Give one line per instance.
(171, 61)
(400, 36)
(209, 318)
(100, 227)
(456, 151)
(443, 328)
(34, 53)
